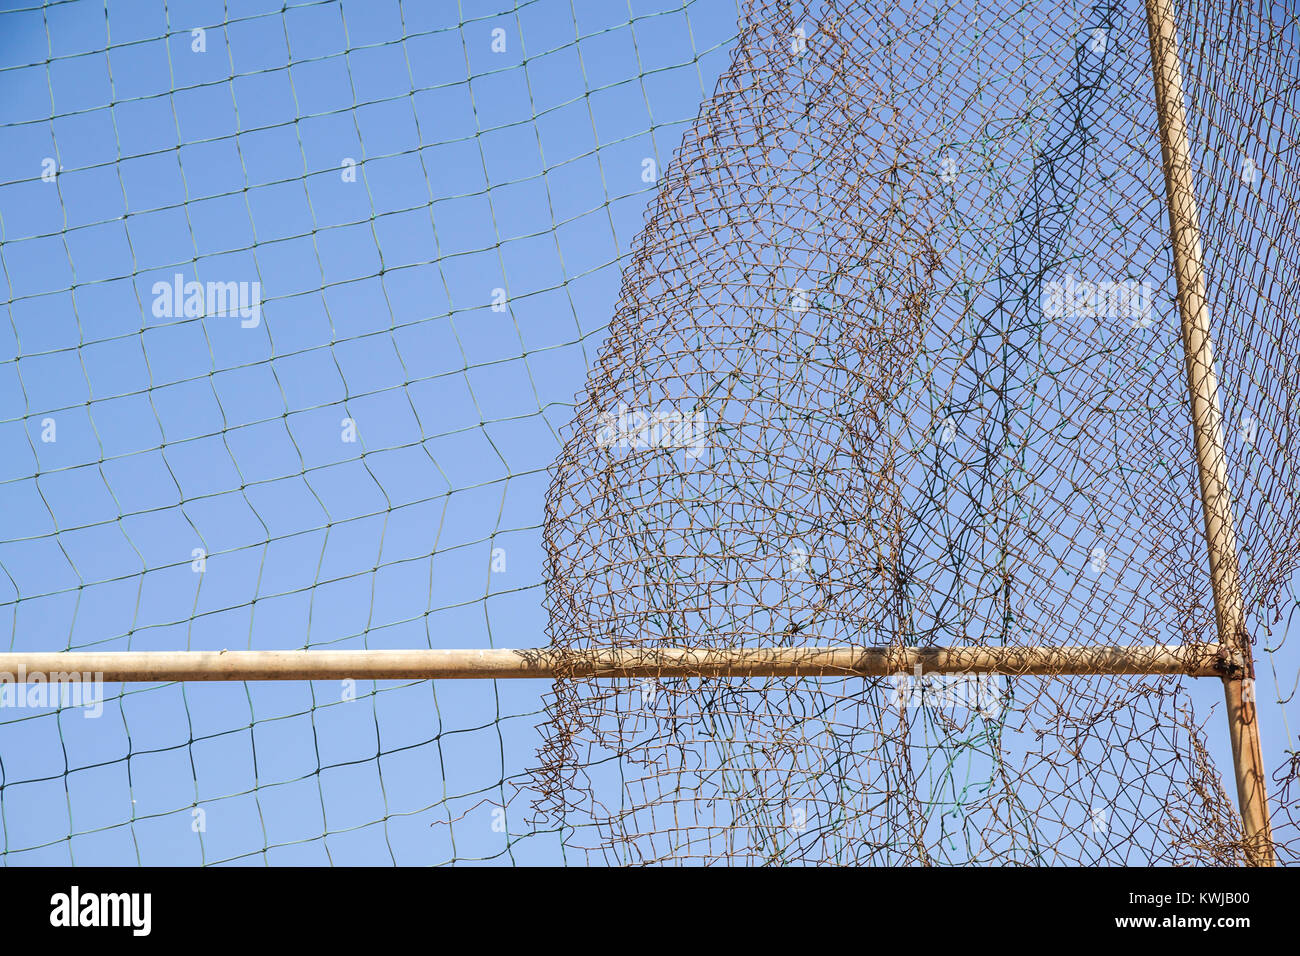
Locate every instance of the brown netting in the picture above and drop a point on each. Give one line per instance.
(897, 361)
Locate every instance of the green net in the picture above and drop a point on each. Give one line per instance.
(429, 211)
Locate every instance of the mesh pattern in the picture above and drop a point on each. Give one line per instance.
(876, 313)
(912, 280)
(437, 205)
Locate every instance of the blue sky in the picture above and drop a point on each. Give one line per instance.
(175, 433)
(522, 170)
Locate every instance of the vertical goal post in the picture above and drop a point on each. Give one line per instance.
(1207, 424)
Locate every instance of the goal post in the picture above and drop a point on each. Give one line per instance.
(1207, 423)
(510, 663)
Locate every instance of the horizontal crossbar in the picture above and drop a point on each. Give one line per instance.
(839, 661)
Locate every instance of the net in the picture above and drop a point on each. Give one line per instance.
(876, 314)
(909, 285)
